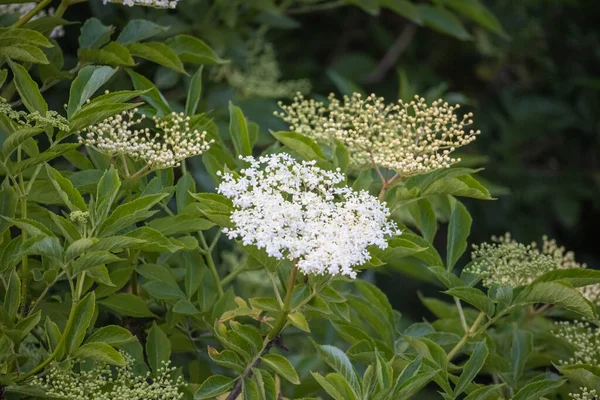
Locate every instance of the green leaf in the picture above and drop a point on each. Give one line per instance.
(535, 390)
(404, 8)
(93, 259)
(408, 372)
(376, 298)
(227, 359)
(448, 279)
(127, 304)
(22, 35)
(342, 386)
(472, 367)
(152, 95)
(113, 54)
(81, 316)
(111, 334)
(158, 348)
(50, 154)
(12, 297)
(300, 144)
(185, 307)
(422, 212)
(15, 139)
(163, 291)
(213, 386)
(343, 84)
(238, 129)
(576, 277)
(416, 383)
(100, 352)
(329, 388)
(476, 11)
(193, 50)
(299, 321)
(88, 81)
(94, 34)
(106, 193)
(69, 195)
(282, 366)
(129, 213)
(194, 93)
(474, 297)
(182, 223)
(583, 374)
(522, 346)
(483, 393)
(28, 89)
(3, 75)
(158, 53)
(8, 206)
(185, 186)
(154, 241)
(443, 21)
(459, 229)
(139, 29)
(24, 52)
(339, 361)
(558, 293)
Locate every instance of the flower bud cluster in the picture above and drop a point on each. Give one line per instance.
(171, 142)
(103, 382)
(24, 8)
(80, 217)
(261, 76)
(506, 262)
(410, 138)
(586, 394)
(584, 339)
(146, 3)
(301, 212)
(28, 119)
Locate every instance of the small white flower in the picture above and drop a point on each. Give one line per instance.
(301, 212)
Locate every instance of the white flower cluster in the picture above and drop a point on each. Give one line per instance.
(584, 339)
(146, 3)
(506, 262)
(586, 394)
(27, 119)
(103, 382)
(173, 142)
(261, 76)
(410, 138)
(23, 8)
(299, 211)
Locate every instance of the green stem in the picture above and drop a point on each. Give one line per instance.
(285, 310)
(62, 7)
(58, 348)
(211, 265)
(31, 14)
(79, 289)
(232, 275)
(271, 338)
(470, 333)
(461, 313)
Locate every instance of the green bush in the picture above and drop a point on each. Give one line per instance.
(198, 221)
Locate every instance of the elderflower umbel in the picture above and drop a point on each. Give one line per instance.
(410, 138)
(261, 76)
(506, 262)
(584, 339)
(173, 142)
(586, 394)
(103, 382)
(145, 3)
(299, 211)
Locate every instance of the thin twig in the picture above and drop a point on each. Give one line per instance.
(394, 52)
